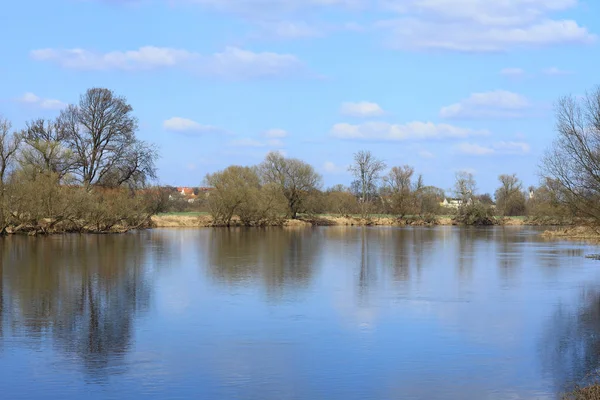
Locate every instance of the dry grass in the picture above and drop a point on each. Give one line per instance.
(587, 393)
(576, 232)
(200, 220)
(181, 221)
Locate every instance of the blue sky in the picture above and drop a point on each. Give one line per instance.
(443, 85)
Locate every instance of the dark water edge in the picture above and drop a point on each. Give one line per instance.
(331, 312)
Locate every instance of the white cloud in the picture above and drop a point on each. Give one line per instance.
(482, 25)
(147, 57)
(361, 109)
(496, 104)
(495, 148)
(29, 98)
(512, 72)
(238, 63)
(275, 133)
(332, 168)
(452, 25)
(393, 132)
(47, 104)
(473, 149)
(257, 8)
(233, 62)
(553, 71)
(512, 147)
(184, 125)
(290, 30)
(426, 154)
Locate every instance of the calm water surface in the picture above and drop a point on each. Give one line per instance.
(326, 313)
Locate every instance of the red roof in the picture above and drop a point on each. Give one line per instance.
(186, 191)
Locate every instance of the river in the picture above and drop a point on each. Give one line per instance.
(311, 313)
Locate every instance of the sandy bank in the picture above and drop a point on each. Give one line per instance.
(204, 220)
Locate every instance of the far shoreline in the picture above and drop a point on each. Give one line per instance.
(204, 220)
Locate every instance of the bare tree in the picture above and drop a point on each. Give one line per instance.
(465, 187)
(367, 171)
(573, 161)
(510, 199)
(399, 190)
(45, 149)
(9, 145)
(295, 178)
(100, 131)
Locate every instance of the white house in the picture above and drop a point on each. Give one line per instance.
(452, 202)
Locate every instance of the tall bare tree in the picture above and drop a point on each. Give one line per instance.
(100, 131)
(398, 186)
(510, 199)
(294, 177)
(464, 187)
(367, 171)
(573, 161)
(9, 145)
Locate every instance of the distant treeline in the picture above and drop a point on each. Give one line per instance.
(282, 188)
(87, 171)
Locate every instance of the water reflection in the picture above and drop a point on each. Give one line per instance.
(335, 312)
(82, 291)
(571, 347)
(281, 258)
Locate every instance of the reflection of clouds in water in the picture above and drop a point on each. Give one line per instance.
(175, 299)
(501, 327)
(353, 316)
(256, 370)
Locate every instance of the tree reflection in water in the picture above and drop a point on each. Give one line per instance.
(282, 258)
(85, 291)
(570, 348)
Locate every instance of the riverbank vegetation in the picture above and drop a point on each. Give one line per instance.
(85, 171)
(281, 189)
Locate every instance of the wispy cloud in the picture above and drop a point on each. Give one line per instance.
(47, 104)
(383, 131)
(275, 134)
(188, 126)
(554, 71)
(495, 148)
(495, 104)
(361, 109)
(332, 168)
(233, 62)
(481, 25)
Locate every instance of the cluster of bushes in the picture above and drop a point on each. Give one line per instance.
(42, 205)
